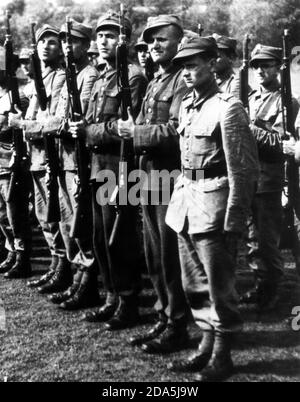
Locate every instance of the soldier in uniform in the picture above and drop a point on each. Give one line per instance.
(14, 217)
(267, 128)
(119, 263)
(156, 143)
(83, 291)
(93, 54)
(49, 51)
(210, 204)
(226, 78)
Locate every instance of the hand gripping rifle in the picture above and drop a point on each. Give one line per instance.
(126, 151)
(51, 157)
(82, 179)
(19, 157)
(288, 118)
(243, 75)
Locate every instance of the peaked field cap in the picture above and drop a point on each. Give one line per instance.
(112, 19)
(262, 52)
(93, 48)
(46, 29)
(24, 53)
(160, 21)
(225, 42)
(140, 43)
(194, 46)
(78, 30)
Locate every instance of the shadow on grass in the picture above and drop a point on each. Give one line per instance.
(271, 339)
(280, 367)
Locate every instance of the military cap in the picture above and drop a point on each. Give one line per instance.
(194, 46)
(140, 43)
(262, 52)
(46, 29)
(93, 48)
(159, 22)
(225, 42)
(24, 54)
(78, 30)
(112, 19)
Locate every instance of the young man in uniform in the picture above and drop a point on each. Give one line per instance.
(119, 263)
(267, 127)
(49, 52)
(155, 141)
(210, 204)
(83, 291)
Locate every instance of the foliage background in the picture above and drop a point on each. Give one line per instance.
(263, 19)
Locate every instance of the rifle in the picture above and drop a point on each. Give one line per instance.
(19, 156)
(82, 178)
(51, 158)
(126, 144)
(288, 118)
(243, 74)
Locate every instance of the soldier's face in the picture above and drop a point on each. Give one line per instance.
(163, 44)
(48, 48)
(79, 46)
(107, 40)
(266, 72)
(198, 71)
(142, 56)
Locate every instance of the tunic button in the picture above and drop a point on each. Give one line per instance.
(95, 147)
(147, 121)
(149, 110)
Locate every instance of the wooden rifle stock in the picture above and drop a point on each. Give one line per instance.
(126, 150)
(19, 157)
(82, 179)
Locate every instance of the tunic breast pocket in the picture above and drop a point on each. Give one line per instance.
(112, 101)
(205, 140)
(163, 101)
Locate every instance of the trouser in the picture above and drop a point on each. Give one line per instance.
(161, 252)
(119, 264)
(51, 231)
(208, 276)
(264, 255)
(79, 250)
(14, 217)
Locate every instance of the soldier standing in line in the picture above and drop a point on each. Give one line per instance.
(83, 291)
(267, 127)
(49, 51)
(226, 79)
(120, 263)
(210, 204)
(156, 143)
(14, 215)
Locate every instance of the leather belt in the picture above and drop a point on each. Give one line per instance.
(205, 173)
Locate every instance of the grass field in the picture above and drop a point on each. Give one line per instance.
(42, 343)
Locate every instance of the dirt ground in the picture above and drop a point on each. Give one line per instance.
(42, 343)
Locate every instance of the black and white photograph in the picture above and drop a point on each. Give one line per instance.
(149, 194)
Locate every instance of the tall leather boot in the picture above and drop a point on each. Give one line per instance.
(8, 263)
(34, 283)
(61, 280)
(87, 294)
(200, 359)
(21, 268)
(126, 315)
(60, 297)
(220, 366)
